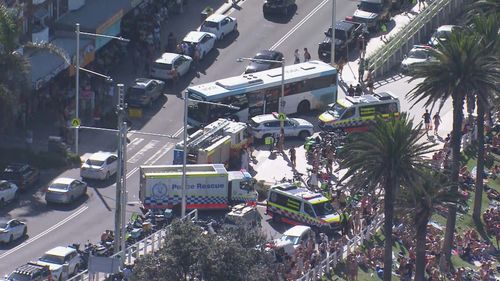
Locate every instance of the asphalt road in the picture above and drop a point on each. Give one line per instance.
(85, 220)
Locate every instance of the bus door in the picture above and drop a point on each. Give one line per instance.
(272, 102)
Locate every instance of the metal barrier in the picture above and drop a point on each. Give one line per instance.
(331, 260)
(392, 53)
(147, 245)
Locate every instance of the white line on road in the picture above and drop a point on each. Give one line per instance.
(159, 154)
(143, 150)
(134, 143)
(298, 25)
(178, 133)
(57, 225)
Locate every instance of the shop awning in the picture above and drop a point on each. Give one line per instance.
(68, 44)
(44, 66)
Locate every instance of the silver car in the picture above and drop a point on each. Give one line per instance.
(65, 190)
(262, 126)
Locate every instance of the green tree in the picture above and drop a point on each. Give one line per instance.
(189, 252)
(461, 67)
(487, 28)
(418, 203)
(389, 155)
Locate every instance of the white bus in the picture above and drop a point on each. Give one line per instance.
(308, 85)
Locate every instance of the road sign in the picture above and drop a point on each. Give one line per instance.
(281, 116)
(75, 123)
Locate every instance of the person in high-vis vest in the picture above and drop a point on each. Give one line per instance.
(344, 220)
(269, 140)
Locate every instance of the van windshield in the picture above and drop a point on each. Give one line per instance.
(370, 7)
(288, 238)
(323, 209)
(337, 110)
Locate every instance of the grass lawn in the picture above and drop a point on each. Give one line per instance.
(464, 222)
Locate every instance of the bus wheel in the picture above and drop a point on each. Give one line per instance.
(304, 107)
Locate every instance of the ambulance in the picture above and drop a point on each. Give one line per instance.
(357, 113)
(208, 186)
(299, 206)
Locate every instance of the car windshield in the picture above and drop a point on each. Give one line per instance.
(418, 54)
(59, 186)
(337, 110)
(340, 34)
(442, 34)
(164, 66)
(210, 24)
(370, 7)
(19, 277)
(253, 124)
(94, 162)
(52, 259)
(9, 175)
(288, 238)
(323, 209)
(262, 57)
(136, 92)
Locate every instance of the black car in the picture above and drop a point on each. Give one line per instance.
(256, 65)
(22, 175)
(283, 7)
(144, 91)
(31, 272)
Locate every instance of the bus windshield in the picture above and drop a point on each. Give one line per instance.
(197, 111)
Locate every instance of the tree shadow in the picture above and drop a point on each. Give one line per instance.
(227, 40)
(69, 207)
(15, 243)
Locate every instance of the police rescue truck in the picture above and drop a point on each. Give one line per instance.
(208, 187)
(357, 113)
(299, 206)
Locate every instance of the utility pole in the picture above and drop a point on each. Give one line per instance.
(77, 84)
(120, 183)
(332, 50)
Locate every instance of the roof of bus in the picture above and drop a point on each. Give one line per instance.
(248, 82)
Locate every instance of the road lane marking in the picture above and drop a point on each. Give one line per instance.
(134, 143)
(140, 153)
(159, 154)
(47, 231)
(306, 18)
(178, 132)
(131, 172)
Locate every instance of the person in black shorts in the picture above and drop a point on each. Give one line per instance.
(427, 121)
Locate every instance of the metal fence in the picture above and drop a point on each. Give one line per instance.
(147, 245)
(415, 32)
(331, 260)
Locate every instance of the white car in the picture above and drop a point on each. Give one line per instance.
(65, 190)
(292, 238)
(262, 126)
(100, 165)
(8, 192)
(418, 54)
(442, 34)
(204, 40)
(12, 230)
(163, 68)
(220, 25)
(62, 261)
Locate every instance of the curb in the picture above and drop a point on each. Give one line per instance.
(226, 7)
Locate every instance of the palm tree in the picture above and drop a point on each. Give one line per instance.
(487, 28)
(461, 67)
(482, 8)
(14, 80)
(388, 155)
(418, 203)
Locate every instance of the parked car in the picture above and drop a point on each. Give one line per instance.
(418, 54)
(242, 215)
(100, 165)
(23, 175)
(144, 92)
(265, 125)
(220, 25)
(204, 40)
(163, 68)
(30, 272)
(283, 7)
(65, 190)
(293, 238)
(8, 192)
(442, 33)
(257, 65)
(12, 230)
(62, 261)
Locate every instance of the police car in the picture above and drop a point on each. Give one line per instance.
(30, 272)
(357, 113)
(295, 205)
(266, 125)
(417, 55)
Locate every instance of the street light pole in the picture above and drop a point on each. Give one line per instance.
(120, 108)
(332, 49)
(184, 157)
(282, 103)
(77, 83)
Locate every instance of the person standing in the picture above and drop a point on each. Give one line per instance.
(281, 141)
(293, 157)
(358, 90)
(244, 159)
(297, 56)
(361, 70)
(269, 140)
(350, 91)
(437, 122)
(307, 56)
(427, 121)
(369, 81)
